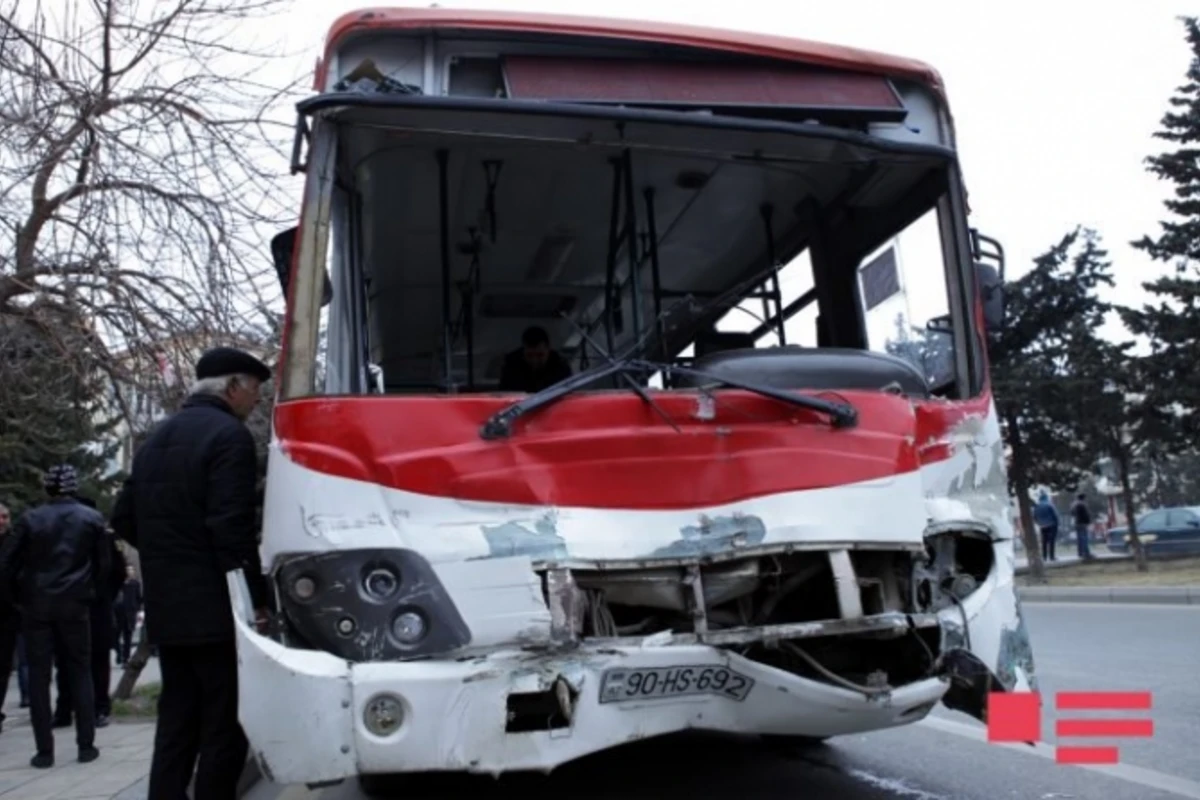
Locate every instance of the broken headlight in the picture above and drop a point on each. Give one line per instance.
(956, 564)
(370, 605)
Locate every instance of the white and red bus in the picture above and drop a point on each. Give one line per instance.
(769, 499)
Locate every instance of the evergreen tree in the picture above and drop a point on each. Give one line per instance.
(1116, 420)
(1172, 322)
(55, 410)
(1032, 371)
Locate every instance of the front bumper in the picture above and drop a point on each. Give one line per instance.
(303, 711)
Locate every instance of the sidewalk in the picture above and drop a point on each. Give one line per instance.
(119, 774)
(1066, 559)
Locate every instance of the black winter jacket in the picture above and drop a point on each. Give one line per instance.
(189, 509)
(56, 555)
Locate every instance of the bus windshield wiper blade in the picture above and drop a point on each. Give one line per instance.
(843, 415)
(499, 425)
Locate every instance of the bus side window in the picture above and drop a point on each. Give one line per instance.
(906, 301)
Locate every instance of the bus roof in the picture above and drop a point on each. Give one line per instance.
(752, 44)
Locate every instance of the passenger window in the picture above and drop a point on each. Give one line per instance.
(906, 300)
(1182, 518)
(1153, 520)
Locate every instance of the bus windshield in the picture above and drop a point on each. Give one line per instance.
(477, 249)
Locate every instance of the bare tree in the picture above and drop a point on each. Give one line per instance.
(142, 171)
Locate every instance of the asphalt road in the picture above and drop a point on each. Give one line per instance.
(945, 757)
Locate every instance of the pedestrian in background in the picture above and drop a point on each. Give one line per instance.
(1045, 516)
(103, 634)
(58, 558)
(1082, 518)
(188, 507)
(129, 603)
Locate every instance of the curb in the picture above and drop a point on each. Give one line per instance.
(1053, 565)
(1141, 595)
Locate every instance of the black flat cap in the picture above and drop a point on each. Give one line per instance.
(221, 361)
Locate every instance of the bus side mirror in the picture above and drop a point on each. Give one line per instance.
(989, 276)
(283, 245)
(991, 291)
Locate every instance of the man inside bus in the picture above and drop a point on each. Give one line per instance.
(188, 508)
(535, 365)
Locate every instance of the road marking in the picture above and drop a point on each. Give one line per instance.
(1127, 772)
(1107, 605)
(895, 786)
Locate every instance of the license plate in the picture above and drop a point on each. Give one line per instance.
(625, 685)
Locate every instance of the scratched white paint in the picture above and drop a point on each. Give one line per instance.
(356, 514)
(971, 484)
(499, 598)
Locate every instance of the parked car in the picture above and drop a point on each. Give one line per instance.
(1163, 532)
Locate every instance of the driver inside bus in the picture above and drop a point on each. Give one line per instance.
(534, 366)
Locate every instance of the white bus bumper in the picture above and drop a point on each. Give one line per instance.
(305, 712)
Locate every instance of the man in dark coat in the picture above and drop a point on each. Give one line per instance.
(58, 554)
(188, 508)
(103, 634)
(535, 366)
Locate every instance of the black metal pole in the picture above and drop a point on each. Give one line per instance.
(491, 172)
(631, 247)
(443, 157)
(611, 275)
(767, 212)
(655, 273)
(468, 299)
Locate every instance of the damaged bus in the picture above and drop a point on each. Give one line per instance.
(770, 497)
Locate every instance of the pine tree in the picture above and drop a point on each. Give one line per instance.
(1172, 322)
(1032, 371)
(1116, 420)
(55, 411)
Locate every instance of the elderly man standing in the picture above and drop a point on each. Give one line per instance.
(189, 509)
(58, 556)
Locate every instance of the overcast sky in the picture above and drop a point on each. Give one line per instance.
(1054, 102)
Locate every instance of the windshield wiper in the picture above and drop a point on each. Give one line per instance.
(630, 368)
(499, 424)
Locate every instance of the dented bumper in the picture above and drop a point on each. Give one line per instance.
(312, 716)
(466, 715)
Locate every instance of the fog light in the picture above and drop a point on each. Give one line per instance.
(304, 588)
(380, 583)
(383, 714)
(409, 627)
